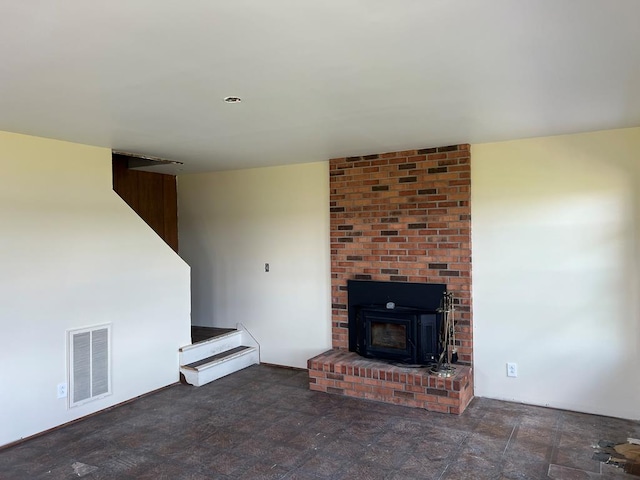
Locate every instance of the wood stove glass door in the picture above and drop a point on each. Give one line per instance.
(390, 334)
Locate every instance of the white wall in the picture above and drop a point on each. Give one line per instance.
(72, 254)
(232, 223)
(555, 271)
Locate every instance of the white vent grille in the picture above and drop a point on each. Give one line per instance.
(89, 364)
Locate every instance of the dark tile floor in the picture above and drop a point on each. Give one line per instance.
(263, 423)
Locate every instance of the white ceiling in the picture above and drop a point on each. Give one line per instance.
(318, 79)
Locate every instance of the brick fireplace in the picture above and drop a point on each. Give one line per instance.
(400, 217)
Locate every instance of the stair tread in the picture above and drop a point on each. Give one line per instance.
(221, 335)
(218, 356)
(200, 334)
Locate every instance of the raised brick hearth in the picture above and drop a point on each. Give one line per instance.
(400, 217)
(347, 373)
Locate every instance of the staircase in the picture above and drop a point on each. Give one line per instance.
(227, 352)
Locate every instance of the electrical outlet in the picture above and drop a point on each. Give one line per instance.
(266, 267)
(512, 369)
(62, 390)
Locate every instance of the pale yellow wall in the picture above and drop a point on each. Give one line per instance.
(556, 223)
(73, 254)
(232, 223)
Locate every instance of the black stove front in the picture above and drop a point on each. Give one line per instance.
(395, 321)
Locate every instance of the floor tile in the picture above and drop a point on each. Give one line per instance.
(264, 423)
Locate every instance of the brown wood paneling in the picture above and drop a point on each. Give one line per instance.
(150, 196)
(125, 181)
(153, 196)
(170, 196)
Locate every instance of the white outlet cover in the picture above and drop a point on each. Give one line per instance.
(62, 390)
(512, 369)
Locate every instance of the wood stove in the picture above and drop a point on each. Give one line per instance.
(395, 321)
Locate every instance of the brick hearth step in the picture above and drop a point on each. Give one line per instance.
(346, 373)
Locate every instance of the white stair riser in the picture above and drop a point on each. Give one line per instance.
(211, 347)
(222, 369)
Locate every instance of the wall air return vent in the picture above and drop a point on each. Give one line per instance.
(89, 364)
